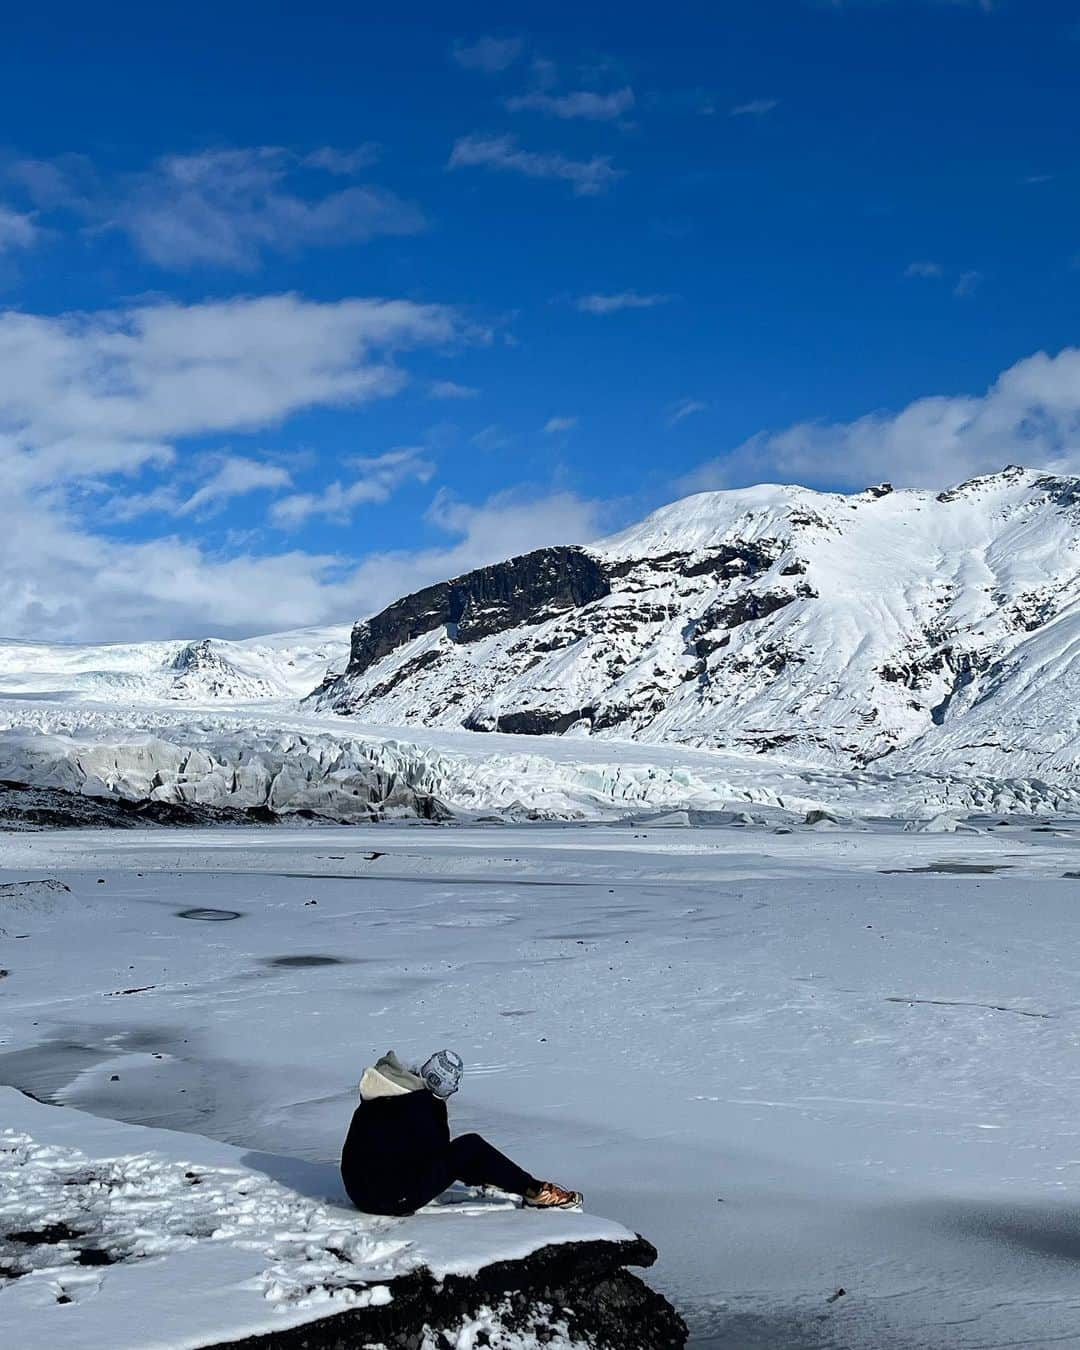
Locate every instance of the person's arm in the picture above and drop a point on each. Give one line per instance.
(440, 1121)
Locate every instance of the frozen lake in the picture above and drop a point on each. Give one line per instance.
(798, 1062)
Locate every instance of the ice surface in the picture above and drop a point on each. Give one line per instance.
(798, 1062)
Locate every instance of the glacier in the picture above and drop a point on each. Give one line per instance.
(884, 653)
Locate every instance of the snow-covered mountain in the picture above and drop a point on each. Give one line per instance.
(940, 630)
(206, 670)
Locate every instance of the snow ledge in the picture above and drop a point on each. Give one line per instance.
(119, 1237)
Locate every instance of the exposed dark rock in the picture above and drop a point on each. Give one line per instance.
(661, 562)
(583, 1284)
(965, 668)
(406, 672)
(735, 560)
(771, 657)
(26, 806)
(1034, 609)
(1009, 474)
(195, 656)
(1064, 491)
(745, 609)
(763, 744)
(705, 646)
(21, 888)
(879, 490)
(531, 722)
(523, 590)
(806, 519)
(961, 667)
(51, 1235)
(20, 1263)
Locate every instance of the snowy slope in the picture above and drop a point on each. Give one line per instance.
(197, 671)
(826, 628)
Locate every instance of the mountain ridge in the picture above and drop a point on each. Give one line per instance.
(836, 628)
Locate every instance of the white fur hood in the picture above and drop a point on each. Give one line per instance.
(388, 1077)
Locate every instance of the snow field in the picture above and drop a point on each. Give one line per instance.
(796, 1062)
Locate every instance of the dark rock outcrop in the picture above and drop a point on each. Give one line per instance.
(745, 608)
(536, 722)
(582, 1285)
(23, 806)
(524, 590)
(26, 807)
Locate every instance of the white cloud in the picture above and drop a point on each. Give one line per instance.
(502, 153)
(554, 426)
(60, 580)
(231, 476)
(582, 103)
(236, 477)
(757, 107)
(378, 476)
(223, 208)
(490, 438)
(967, 283)
(611, 303)
(683, 408)
(506, 524)
(450, 389)
(344, 163)
(104, 393)
(17, 230)
(1029, 415)
(488, 54)
(91, 404)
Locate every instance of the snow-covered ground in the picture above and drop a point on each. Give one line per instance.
(798, 1062)
(199, 1242)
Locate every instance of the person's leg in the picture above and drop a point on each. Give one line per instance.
(428, 1181)
(478, 1163)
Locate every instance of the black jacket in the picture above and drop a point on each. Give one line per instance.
(390, 1142)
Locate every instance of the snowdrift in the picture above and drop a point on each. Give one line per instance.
(117, 1237)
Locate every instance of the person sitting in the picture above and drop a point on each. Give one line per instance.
(398, 1154)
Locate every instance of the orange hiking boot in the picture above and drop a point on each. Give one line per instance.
(549, 1196)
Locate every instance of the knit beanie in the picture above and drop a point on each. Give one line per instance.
(442, 1073)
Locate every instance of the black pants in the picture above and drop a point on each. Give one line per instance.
(468, 1158)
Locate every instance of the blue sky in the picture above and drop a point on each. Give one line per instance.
(301, 311)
